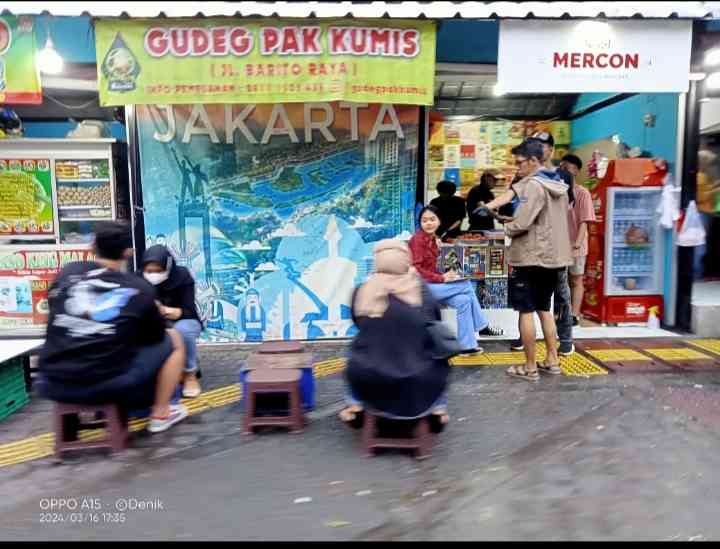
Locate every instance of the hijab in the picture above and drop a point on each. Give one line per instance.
(176, 276)
(393, 276)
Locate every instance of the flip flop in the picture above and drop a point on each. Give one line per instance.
(553, 369)
(521, 373)
(194, 392)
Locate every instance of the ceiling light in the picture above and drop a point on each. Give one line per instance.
(713, 81)
(49, 60)
(712, 57)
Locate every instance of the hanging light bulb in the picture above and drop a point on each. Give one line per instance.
(49, 59)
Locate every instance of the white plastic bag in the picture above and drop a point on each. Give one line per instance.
(692, 232)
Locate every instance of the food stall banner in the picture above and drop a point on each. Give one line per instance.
(641, 56)
(19, 74)
(26, 204)
(275, 208)
(180, 61)
(25, 278)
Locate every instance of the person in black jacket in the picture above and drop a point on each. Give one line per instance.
(481, 193)
(175, 288)
(451, 209)
(106, 341)
(391, 368)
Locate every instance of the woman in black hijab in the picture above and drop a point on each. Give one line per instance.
(391, 367)
(175, 289)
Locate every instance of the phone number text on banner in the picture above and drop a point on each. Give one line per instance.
(166, 61)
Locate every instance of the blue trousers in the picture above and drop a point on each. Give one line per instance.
(470, 318)
(189, 329)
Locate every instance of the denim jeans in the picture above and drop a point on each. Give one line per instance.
(189, 329)
(470, 318)
(563, 308)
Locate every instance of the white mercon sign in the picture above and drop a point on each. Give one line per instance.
(594, 56)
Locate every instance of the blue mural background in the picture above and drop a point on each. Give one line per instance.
(276, 229)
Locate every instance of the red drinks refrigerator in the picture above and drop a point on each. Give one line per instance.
(623, 276)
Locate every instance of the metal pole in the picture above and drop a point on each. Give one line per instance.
(137, 220)
(685, 255)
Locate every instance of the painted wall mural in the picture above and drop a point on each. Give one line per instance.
(275, 208)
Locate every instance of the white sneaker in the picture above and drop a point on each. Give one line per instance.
(178, 412)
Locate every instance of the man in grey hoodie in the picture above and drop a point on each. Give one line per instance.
(539, 252)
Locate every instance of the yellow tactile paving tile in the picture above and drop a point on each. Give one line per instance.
(678, 354)
(618, 355)
(41, 446)
(712, 345)
(579, 366)
(488, 359)
(328, 367)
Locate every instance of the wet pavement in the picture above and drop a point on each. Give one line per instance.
(623, 456)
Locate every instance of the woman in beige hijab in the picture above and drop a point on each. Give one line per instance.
(390, 367)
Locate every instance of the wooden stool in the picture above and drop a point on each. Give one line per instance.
(421, 440)
(280, 347)
(273, 381)
(68, 425)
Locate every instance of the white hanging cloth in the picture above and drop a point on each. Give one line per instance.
(669, 207)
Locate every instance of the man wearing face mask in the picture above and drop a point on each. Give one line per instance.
(175, 289)
(106, 341)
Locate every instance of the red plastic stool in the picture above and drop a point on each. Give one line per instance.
(68, 423)
(273, 381)
(421, 439)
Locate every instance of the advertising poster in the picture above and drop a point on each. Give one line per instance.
(452, 156)
(468, 178)
(483, 156)
(437, 134)
(467, 156)
(213, 60)
(26, 206)
(436, 154)
(19, 74)
(452, 134)
(275, 208)
(452, 174)
(25, 277)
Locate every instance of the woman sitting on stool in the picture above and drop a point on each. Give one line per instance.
(175, 288)
(448, 287)
(391, 368)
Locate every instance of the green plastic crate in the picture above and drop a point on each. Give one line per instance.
(13, 394)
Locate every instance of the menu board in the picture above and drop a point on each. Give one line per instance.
(84, 190)
(26, 200)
